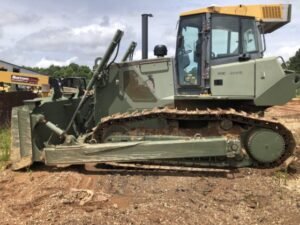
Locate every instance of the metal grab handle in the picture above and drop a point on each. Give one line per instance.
(283, 61)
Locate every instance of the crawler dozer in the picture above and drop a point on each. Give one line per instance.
(202, 108)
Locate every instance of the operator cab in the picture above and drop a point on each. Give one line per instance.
(210, 39)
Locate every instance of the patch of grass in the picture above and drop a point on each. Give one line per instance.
(4, 143)
(281, 177)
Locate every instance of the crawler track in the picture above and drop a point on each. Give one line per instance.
(243, 122)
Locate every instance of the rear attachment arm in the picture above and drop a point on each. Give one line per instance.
(98, 72)
(129, 52)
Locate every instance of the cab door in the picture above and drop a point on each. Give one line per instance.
(189, 54)
(234, 48)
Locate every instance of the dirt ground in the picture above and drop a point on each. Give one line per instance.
(45, 195)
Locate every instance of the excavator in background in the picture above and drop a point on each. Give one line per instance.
(202, 108)
(23, 79)
(15, 87)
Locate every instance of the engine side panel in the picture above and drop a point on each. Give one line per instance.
(273, 85)
(135, 85)
(233, 79)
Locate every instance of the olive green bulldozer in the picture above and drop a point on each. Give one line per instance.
(202, 108)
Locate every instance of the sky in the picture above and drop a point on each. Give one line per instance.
(41, 33)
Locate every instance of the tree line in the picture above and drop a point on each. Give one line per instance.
(72, 70)
(294, 64)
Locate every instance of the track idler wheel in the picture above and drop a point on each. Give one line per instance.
(265, 145)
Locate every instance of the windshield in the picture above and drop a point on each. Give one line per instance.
(189, 50)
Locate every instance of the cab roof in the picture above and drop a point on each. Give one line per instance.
(272, 16)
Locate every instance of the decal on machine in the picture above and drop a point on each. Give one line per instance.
(24, 79)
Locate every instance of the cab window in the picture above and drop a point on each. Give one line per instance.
(188, 52)
(250, 43)
(225, 36)
(232, 36)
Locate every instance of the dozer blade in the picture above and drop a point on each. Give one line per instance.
(21, 142)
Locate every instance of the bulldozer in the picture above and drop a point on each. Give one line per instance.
(202, 108)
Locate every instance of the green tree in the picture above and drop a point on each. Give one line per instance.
(294, 64)
(72, 70)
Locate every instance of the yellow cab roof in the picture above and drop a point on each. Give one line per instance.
(260, 12)
(272, 16)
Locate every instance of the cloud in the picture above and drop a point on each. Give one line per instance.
(79, 39)
(32, 30)
(9, 18)
(287, 51)
(44, 63)
(87, 41)
(137, 55)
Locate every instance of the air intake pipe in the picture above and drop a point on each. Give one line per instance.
(145, 35)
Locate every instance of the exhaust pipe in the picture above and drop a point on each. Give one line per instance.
(145, 35)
